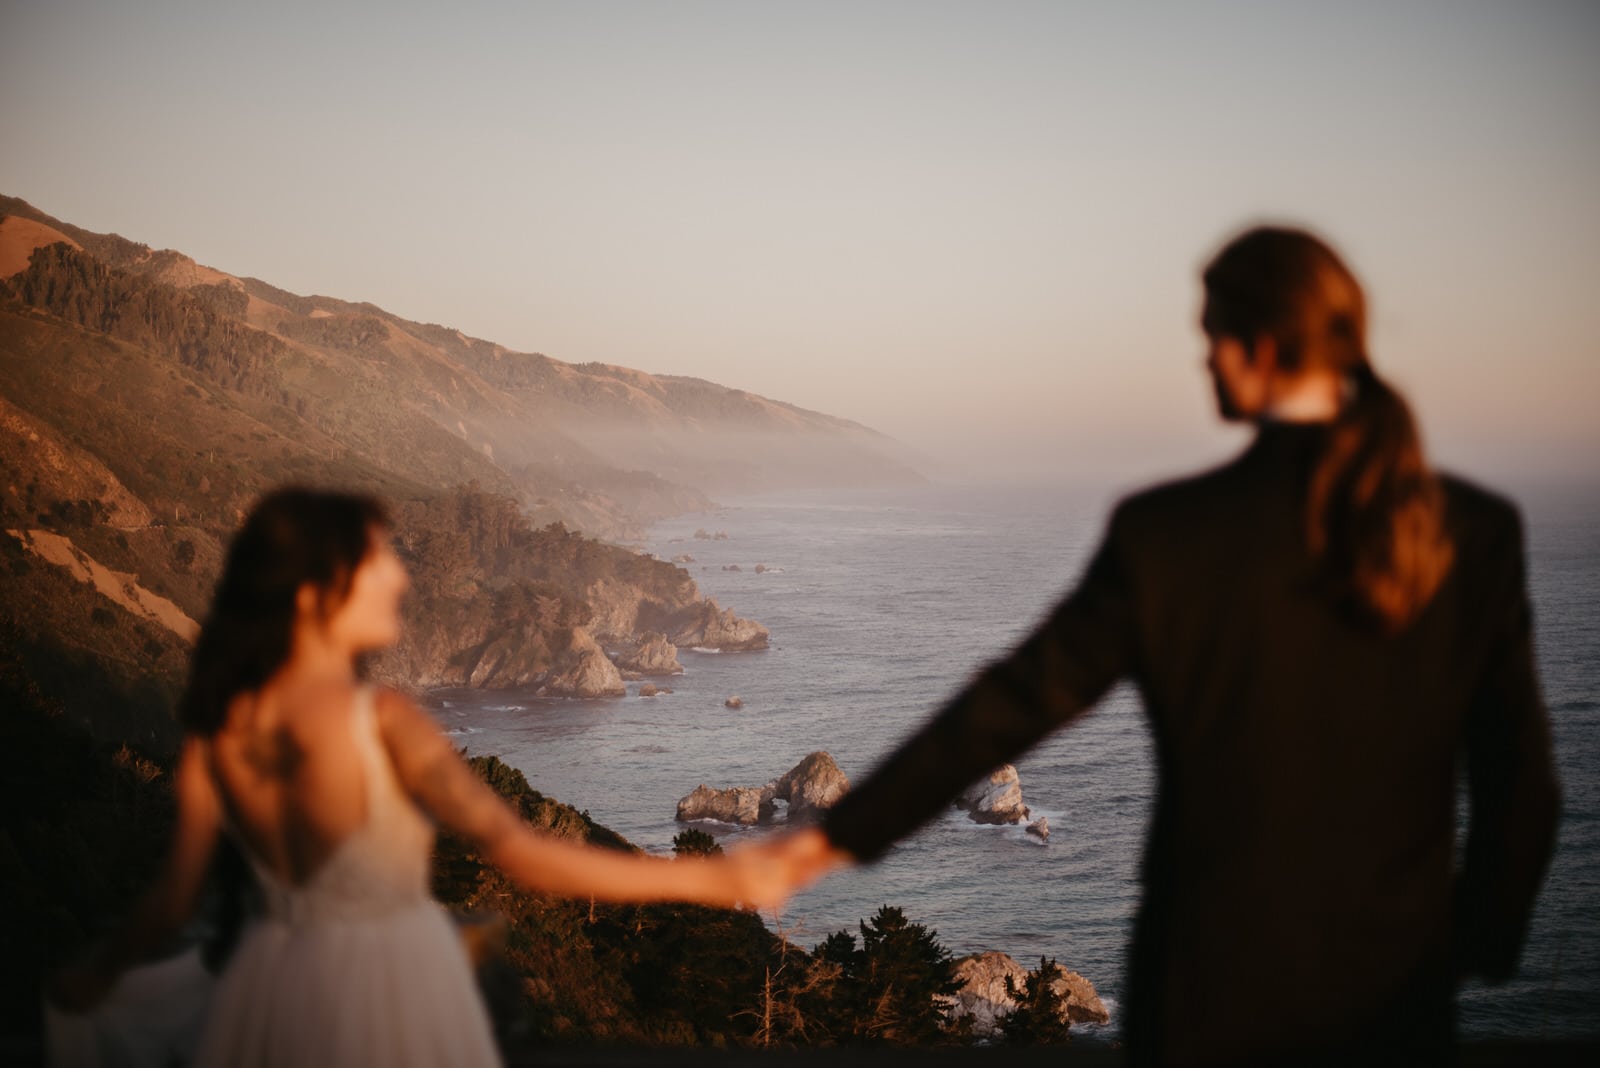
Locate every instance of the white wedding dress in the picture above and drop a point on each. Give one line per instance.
(358, 966)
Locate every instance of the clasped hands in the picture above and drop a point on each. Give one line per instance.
(768, 873)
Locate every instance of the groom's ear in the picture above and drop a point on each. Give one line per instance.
(1263, 353)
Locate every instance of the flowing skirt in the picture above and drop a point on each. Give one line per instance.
(392, 990)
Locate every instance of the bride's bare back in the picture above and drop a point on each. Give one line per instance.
(291, 778)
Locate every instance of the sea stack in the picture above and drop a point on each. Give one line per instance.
(996, 798)
(808, 788)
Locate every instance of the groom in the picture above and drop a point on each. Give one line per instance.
(1307, 706)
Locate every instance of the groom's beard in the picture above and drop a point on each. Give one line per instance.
(1225, 403)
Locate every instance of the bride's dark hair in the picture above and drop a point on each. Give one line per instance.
(292, 538)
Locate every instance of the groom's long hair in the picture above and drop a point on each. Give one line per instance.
(1374, 512)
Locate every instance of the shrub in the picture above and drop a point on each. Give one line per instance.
(1040, 1018)
(695, 843)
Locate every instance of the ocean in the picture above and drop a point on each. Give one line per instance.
(880, 605)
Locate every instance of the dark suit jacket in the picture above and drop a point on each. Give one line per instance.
(1300, 885)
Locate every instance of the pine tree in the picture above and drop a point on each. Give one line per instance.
(694, 843)
(887, 987)
(1040, 1018)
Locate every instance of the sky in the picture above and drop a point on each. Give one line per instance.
(976, 227)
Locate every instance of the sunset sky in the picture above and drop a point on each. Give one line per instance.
(973, 226)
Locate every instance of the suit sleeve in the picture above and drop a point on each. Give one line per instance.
(1060, 670)
(1513, 792)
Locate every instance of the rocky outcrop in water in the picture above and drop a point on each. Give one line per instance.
(738, 804)
(654, 655)
(1083, 1004)
(590, 674)
(621, 611)
(719, 628)
(814, 784)
(1039, 828)
(982, 994)
(996, 798)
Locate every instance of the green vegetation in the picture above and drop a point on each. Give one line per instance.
(886, 987)
(695, 843)
(1040, 1017)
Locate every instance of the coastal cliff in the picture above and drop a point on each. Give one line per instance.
(146, 401)
(497, 603)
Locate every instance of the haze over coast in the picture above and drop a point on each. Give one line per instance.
(974, 228)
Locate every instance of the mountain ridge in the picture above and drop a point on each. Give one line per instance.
(595, 419)
(146, 401)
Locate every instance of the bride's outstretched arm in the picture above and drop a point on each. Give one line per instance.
(170, 900)
(434, 775)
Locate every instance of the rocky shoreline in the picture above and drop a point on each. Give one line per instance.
(497, 604)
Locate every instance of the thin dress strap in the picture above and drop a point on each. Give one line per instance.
(374, 758)
(224, 804)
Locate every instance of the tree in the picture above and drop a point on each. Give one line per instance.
(886, 988)
(695, 843)
(1040, 1018)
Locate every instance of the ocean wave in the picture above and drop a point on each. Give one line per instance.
(457, 732)
(1113, 1006)
(702, 649)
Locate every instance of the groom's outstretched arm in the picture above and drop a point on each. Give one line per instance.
(1058, 672)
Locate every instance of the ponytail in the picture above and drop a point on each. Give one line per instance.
(1374, 512)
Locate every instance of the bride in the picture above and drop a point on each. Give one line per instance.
(331, 788)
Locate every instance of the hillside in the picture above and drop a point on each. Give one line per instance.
(147, 400)
(603, 447)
